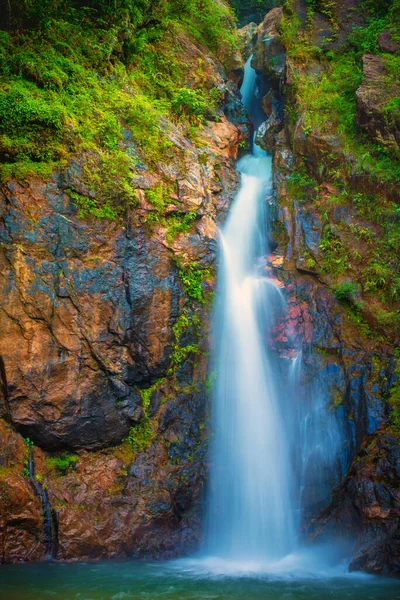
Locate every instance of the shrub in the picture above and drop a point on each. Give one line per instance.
(62, 462)
(345, 291)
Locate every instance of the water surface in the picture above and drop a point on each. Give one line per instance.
(182, 580)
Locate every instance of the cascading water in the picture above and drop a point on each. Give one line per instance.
(250, 514)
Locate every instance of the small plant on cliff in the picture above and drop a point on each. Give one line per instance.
(191, 103)
(62, 462)
(301, 184)
(140, 435)
(193, 278)
(345, 291)
(146, 394)
(90, 206)
(394, 398)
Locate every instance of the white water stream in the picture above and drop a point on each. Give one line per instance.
(250, 515)
(275, 441)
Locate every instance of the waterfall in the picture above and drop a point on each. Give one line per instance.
(250, 511)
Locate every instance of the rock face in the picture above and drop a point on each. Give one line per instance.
(102, 352)
(266, 133)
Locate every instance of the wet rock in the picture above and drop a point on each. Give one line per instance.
(265, 136)
(87, 320)
(266, 102)
(366, 507)
(21, 523)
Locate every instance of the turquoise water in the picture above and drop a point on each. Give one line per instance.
(181, 580)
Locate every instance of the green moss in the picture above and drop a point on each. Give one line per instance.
(146, 394)
(62, 462)
(345, 291)
(104, 82)
(140, 436)
(181, 353)
(193, 277)
(394, 398)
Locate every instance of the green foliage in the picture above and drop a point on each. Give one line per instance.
(180, 354)
(178, 223)
(146, 394)
(101, 79)
(377, 9)
(62, 462)
(181, 325)
(193, 277)
(394, 398)
(335, 259)
(355, 315)
(391, 111)
(364, 40)
(345, 291)
(89, 206)
(324, 82)
(325, 7)
(140, 435)
(288, 30)
(190, 102)
(184, 324)
(175, 223)
(301, 184)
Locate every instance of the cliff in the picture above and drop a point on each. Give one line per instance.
(333, 129)
(118, 163)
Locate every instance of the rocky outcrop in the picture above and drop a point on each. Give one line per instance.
(266, 133)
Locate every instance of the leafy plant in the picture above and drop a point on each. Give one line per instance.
(345, 291)
(62, 462)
